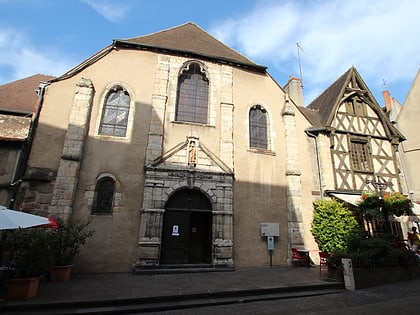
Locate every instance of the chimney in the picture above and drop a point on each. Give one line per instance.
(387, 100)
(294, 88)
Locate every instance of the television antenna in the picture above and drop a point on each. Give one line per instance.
(299, 49)
(386, 86)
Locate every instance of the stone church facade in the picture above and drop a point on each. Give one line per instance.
(179, 150)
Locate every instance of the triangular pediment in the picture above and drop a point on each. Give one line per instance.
(190, 155)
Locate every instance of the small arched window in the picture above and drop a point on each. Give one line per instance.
(258, 127)
(115, 113)
(193, 94)
(104, 196)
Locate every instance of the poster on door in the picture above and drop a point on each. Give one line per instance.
(175, 230)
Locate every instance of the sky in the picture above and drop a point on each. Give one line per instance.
(317, 40)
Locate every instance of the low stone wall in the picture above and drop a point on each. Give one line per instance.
(365, 278)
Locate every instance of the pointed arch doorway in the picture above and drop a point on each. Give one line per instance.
(187, 229)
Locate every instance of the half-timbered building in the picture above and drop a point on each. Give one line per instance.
(356, 143)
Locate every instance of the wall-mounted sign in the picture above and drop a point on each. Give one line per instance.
(270, 242)
(270, 229)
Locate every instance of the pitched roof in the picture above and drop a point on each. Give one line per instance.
(322, 110)
(21, 95)
(190, 39)
(325, 103)
(184, 40)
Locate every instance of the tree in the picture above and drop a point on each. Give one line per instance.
(334, 226)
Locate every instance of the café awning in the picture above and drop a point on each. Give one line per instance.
(353, 199)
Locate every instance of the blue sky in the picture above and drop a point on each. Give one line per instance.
(378, 37)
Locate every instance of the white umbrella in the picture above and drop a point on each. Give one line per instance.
(12, 219)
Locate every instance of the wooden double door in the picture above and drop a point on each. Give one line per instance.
(187, 229)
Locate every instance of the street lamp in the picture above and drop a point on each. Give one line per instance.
(379, 185)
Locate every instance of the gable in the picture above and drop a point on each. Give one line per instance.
(190, 155)
(189, 39)
(349, 106)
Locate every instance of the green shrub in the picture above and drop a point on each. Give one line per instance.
(66, 241)
(334, 226)
(28, 251)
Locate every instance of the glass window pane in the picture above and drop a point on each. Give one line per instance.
(115, 113)
(192, 100)
(258, 128)
(104, 195)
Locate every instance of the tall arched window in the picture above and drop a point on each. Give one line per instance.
(104, 196)
(115, 113)
(192, 94)
(258, 127)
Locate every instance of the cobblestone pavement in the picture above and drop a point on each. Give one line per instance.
(397, 298)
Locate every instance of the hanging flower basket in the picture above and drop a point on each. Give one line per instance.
(397, 204)
(370, 206)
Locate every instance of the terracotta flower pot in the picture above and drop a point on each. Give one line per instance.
(60, 273)
(22, 288)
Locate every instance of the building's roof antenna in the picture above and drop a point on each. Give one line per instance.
(385, 84)
(299, 48)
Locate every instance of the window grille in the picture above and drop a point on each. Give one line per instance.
(104, 196)
(258, 128)
(115, 113)
(192, 98)
(359, 154)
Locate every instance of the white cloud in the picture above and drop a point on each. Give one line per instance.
(20, 59)
(111, 10)
(377, 37)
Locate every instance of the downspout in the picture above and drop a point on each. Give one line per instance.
(311, 133)
(31, 134)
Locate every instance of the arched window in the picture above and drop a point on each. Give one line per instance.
(104, 196)
(258, 127)
(192, 94)
(115, 113)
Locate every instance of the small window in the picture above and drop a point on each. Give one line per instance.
(115, 113)
(359, 154)
(258, 127)
(104, 196)
(193, 94)
(356, 107)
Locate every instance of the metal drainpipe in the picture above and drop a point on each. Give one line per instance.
(17, 181)
(310, 133)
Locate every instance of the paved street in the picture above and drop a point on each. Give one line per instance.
(397, 298)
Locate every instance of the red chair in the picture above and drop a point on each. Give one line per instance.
(298, 259)
(323, 261)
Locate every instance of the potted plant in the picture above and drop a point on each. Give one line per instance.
(28, 260)
(66, 242)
